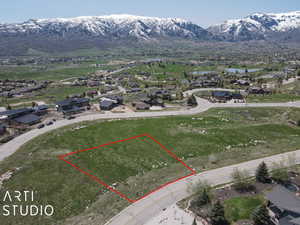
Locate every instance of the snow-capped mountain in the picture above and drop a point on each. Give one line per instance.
(109, 27)
(259, 26)
(104, 32)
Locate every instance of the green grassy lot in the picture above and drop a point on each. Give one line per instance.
(241, 208)
(295, 86)
(284, 97)
(33, 73)
(213, 139)
(162, 71)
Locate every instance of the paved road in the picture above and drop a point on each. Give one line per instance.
(193, 91)
(142, 211)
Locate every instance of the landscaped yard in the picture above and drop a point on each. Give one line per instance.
(213, 139)
(241, 208)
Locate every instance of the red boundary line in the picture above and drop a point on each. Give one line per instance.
(62, 157)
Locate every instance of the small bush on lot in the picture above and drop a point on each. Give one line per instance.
(241, 181)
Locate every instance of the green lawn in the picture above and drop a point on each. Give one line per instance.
(36, 73)
(241, 208)
(213, 139)
(273, 98)
(162, 71)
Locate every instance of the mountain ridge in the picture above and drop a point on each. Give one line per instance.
(258, 26)
(67, 34)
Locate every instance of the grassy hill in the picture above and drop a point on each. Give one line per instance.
(213, 139)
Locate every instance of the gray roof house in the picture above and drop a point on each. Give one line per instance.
(285, 205)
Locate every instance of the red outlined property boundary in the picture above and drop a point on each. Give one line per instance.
(62, 157)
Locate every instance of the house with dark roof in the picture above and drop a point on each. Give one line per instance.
(14, 113)
(133, 90)
(72, 105)
(28, 119)
(108, 103)
(2, 129)
(284, 206)
(221, 95)
(40, 109)
(258, 90)
(141, 106)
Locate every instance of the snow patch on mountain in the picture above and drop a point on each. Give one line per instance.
(116, 25)
(258, 23)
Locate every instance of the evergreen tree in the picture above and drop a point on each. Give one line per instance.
(185, 74)
(194, 222)
(203, 198)
(192, 101)
(261, 216)
(262, 173)
(217, 215)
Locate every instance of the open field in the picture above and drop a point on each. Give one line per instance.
(50, 72)
(284, 97)
(213, 139)
(30, 73)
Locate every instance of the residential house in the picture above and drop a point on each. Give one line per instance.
(28, 119)
(24, 116)
(141, 105)
(108, 103)
(221, 95)
(133, 90)
(258, 90)
(2, 129)
(284, 206)
(14, 113)
(72, 105)
(40, 109)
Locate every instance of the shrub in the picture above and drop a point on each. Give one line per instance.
(241, 181)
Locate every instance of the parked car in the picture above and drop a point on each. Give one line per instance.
(49, 123)
(41, 126)
(71, 117)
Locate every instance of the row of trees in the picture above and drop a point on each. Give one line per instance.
(260, 215)
(242, 182)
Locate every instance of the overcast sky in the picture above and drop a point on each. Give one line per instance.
(199, 11)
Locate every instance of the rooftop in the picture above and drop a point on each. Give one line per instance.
(284, 199)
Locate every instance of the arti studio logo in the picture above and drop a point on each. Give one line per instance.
(21, 203)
